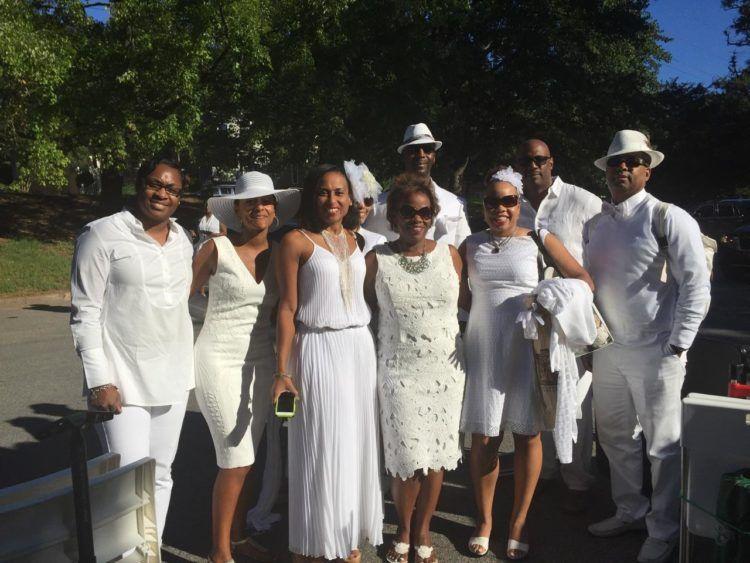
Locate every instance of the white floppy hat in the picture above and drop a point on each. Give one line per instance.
(251, 185)
(628, 141)
(418, 134)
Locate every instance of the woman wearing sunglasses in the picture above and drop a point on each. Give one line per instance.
(413, 285)
(501, 269)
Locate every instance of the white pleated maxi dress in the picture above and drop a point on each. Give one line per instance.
(335, 499)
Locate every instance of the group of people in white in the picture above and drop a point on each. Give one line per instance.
(358, 312)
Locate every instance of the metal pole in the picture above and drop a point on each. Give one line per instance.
(81, 501)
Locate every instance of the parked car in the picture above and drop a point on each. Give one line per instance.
(222, 189)
(722, 217)
(733, 257)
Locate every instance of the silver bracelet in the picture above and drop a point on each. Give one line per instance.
(94, 391)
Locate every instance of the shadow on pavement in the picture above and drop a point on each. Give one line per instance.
(48, 308)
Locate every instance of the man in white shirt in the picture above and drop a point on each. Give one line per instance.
(654, 320)
(563, 209)
(130, 281)
(418, 151)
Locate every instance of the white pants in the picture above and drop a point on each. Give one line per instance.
(577, 474)
(139, 432)
(638, 388)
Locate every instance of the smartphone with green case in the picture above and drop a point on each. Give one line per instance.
(286, 405)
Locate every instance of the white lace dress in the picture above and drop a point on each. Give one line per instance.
(500, 393)
(234, 357)
(420, 363)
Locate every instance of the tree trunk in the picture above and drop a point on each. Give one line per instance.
(111, 195)
(458, 178)
(72, 177)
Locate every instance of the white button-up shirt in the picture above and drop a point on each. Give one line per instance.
(621, 252)
(450, 226)
(563, 212)
(129, 310)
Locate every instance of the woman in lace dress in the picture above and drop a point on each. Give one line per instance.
(413, 283)
(501, 270)
(234, 358)
(326, 351)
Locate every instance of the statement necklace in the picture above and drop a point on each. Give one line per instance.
(339, 247)
(415, 266)
(498, 245)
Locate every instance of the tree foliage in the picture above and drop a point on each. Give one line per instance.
(284, 84)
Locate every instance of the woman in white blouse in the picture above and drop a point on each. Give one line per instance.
(130, 280)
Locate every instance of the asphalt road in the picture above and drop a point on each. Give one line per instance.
(40, 380)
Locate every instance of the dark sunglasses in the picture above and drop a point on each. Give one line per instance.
(630, 160)
(525, 161)
(427, 148)
(493, 201)
(368, 201)
(408, 212)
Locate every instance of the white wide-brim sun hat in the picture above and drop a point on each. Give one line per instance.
(249, 186)
(418, 134)
(628, 141)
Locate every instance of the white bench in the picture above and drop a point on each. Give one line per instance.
(37, 518)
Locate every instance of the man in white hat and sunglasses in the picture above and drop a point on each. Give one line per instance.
(418, 151)
(652, 286)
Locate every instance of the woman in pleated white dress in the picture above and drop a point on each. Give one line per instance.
(500, 271)
(326, 356)
(234, 356)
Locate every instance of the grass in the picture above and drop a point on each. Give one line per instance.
(29, 266)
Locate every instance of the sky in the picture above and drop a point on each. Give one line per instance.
(699, 48)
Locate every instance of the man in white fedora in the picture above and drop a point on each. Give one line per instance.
(563, 209)
(654, 319)
(418, 151)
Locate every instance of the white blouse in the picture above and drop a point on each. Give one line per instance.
(129, 310)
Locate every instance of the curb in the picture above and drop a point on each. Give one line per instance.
(14, 301)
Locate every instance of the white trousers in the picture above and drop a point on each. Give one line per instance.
(577, 474)
(638, 388)
(139, 432)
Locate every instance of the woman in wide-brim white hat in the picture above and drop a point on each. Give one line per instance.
(234, 353)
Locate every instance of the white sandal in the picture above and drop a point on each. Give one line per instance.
(424, 552)
(480, 542)
(400, 549)
(514, 545)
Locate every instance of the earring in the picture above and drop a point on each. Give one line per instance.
(275, 224)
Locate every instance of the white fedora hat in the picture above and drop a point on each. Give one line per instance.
(628, 141)
(418, 134)
(251, 185)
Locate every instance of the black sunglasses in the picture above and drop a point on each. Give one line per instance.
(427, 148)
(630, 160)
(408, 212)
(539, 160)
(493, 201)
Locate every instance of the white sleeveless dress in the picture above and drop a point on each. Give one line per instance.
(335, 501)
(420, 363)
(500, 392)
(234, 357)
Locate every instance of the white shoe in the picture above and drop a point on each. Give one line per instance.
(479, 546)
(613, 526)
(656, 551)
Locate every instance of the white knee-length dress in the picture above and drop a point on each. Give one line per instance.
(420, 363)
(500, 393)
(335, 500)
(234, 357)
